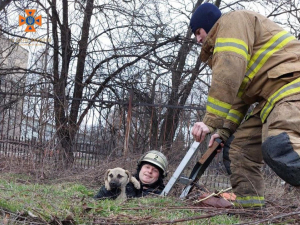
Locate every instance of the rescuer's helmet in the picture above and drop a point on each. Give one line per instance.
(157, 159)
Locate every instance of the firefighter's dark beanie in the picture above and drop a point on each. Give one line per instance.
(205, 16)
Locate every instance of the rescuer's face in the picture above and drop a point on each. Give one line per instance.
(200, 35)
(148, 174)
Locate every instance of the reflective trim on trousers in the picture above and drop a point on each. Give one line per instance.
(250, 201)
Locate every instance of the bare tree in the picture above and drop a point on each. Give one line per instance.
(4, 3)
(99, 50)
(76, 71)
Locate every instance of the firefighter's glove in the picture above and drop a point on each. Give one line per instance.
(224, 133)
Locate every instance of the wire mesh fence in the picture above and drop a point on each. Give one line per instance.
(28, 132)
(28, 128)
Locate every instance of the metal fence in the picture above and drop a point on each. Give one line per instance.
(27, 126)
(27, 131)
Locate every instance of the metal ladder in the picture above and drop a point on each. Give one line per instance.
(197, 171)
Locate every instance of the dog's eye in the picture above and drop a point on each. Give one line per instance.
(120, 176)
(111, 176)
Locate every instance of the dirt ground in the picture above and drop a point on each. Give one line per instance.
(282, 201)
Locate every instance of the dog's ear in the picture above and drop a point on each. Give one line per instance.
(106, 183)
(128, 174)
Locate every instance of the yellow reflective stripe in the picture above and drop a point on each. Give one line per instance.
(248, 57)
(243, 86)
(231, 45)
(276, 43)
(261, 198)
(235, 116)
(286, 90)
(250, 201)
(217, 107)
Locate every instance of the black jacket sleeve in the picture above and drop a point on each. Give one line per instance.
(150, 191)
(103, 193)
(131, 191)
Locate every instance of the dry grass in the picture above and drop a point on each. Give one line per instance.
(283, 201)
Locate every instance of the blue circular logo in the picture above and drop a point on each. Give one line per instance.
(30, 20)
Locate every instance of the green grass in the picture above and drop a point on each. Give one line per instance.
(57, 201)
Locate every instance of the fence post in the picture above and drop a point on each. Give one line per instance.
(128, 124)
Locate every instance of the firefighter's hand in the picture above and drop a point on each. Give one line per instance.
(199, 131)
(212, 139)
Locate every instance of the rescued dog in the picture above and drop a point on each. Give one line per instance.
(119, 178)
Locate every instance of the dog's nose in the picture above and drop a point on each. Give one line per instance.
(114, 184)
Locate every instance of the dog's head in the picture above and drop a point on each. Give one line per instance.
(116, 178)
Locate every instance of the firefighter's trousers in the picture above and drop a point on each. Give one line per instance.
(276, 142)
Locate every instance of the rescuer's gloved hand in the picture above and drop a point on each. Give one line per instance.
(224, 133)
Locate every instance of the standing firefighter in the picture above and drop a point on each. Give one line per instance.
(252, 60)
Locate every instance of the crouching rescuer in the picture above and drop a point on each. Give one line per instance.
(253, 60)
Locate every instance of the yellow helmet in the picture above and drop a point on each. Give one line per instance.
(157, 159)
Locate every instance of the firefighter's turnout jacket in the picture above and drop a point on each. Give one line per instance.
(252, 60)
